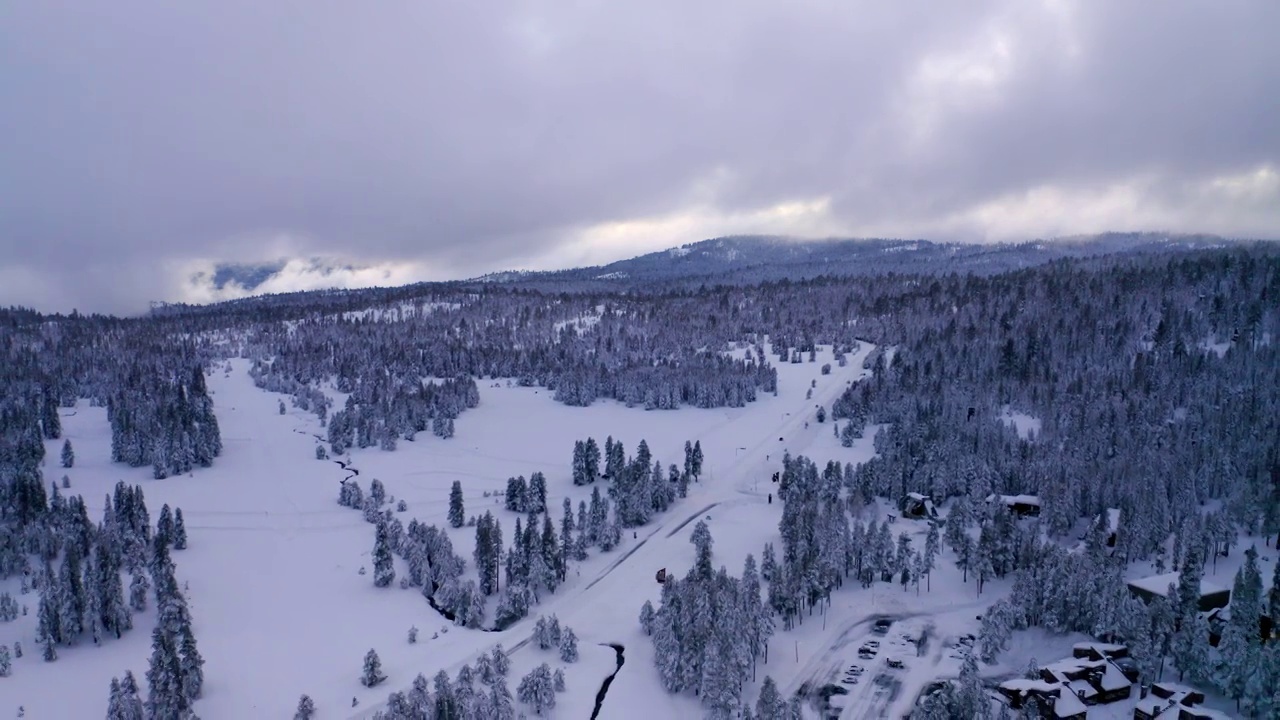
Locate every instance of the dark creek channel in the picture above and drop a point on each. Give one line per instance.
(604, 687)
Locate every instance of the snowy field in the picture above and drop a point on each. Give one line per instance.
(273, 565)
(281, 609)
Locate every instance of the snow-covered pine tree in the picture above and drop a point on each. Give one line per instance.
(541, 635)
(537, 689)
(131, 698)
(138, 588)
(446, 701)
(165, 698)
(68, 455)
(517, 488)
(456, 514)
(306, 708)
(71, 595)
(115, 704)
(192, 664)
(770, 705)
(179, 530)
(931, 548)
(557, 680)
(579, 463)
(384, 572)
(646, 617)
(591, 459)
(501, 665)
(971, 697)
(536, 498)
(6, 663)
(372, 673)
(568, 646)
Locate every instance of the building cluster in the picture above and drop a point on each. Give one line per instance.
(1096, 674)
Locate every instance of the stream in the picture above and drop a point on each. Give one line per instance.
(604, 687)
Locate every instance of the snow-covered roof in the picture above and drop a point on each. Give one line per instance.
(1152, 705)
(1159, 584)
(917, 496)
(1082, 688)
(1016, 499)
(1023, 685)
(1067, 705)
(1113, 519)
(1072, 666)
(1113, 678)
(1170, 688)
(1099, 647)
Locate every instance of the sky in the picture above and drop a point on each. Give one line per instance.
(142, 142)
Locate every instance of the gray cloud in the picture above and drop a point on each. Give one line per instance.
(141, 140)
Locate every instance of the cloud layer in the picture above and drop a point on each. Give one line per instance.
(431, 140)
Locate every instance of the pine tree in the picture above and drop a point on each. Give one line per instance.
(68, 455)
(306, 708)
(549, 547)
(591, 459)
(579, 463)
(384, 572)
(165, 698)
(131, 704)
(115, 703)
(770, 705)
(1274, 597)
(566, 538)
(536, 499)
(71, 595)
(138, 588)
(568, 646)
(646, 617)
(971, 698)
(446, 699)
(372, 673)
(456, 514)
(931, 548)
(515, 495)
(179, 531)
(558, 680)
(501, 664)
(538, 689)
(697, 458)
(6, 664)
(542, 633)
(191, 664)
(164, 525)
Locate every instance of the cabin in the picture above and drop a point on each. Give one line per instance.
(1173, 701)
(1212, 595)
(918, 507)
(1219, 617)
(1065, 689)
(1020, 505)
(1054, 701)
(1099, 651)
(1095, 682)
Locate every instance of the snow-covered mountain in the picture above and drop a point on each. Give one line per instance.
(754, 258)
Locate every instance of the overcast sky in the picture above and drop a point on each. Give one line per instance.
(143, 141)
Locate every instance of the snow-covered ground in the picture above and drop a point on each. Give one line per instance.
(280, 608)
(1027, 426)
(272, 567)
